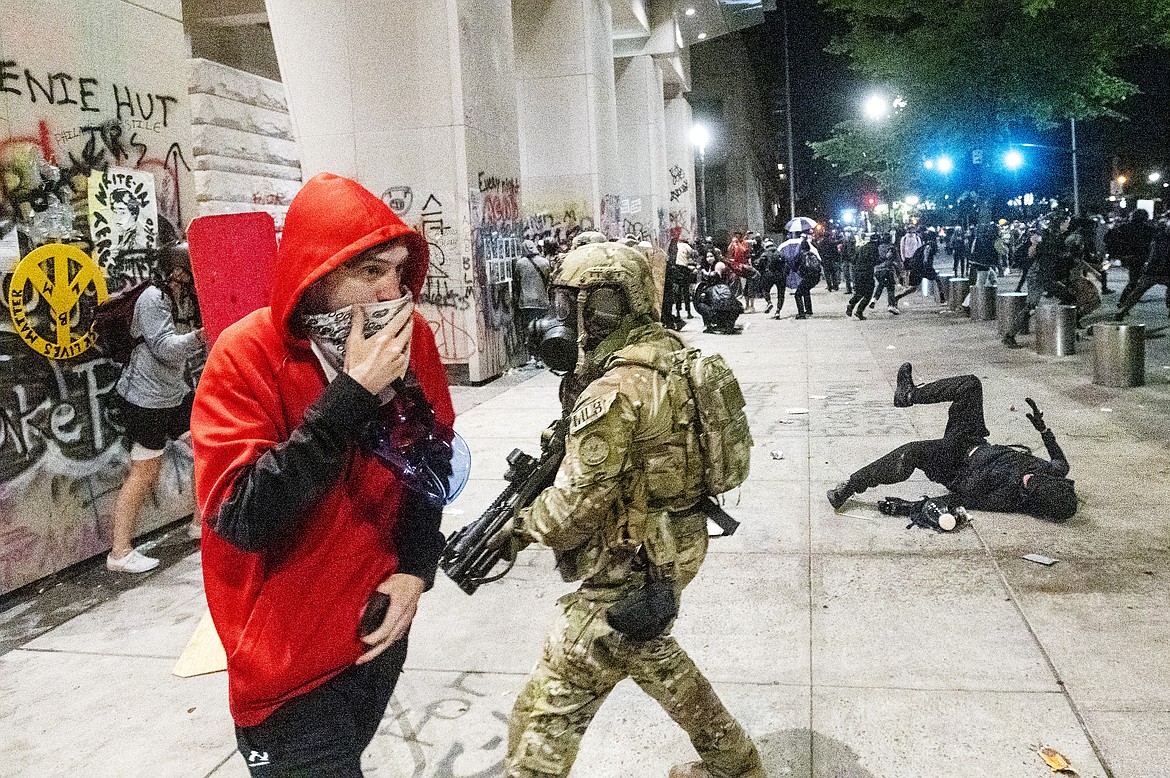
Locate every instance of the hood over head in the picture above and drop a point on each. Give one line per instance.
(331, 220)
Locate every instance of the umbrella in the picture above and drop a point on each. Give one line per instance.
(800, 224)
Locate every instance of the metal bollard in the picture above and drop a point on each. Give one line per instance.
(928, 288)
(1056, 330)
(1008, 307)
(944, 286)
(1119, 354)
(983, 278)
(957, 292)
(983, 303)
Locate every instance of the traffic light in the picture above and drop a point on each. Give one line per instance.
(870, 201)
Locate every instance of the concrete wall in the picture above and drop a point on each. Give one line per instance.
(85, 86)
(426, 118)
(641, 143)
(568, 115)
(682, 219)
(244, 151)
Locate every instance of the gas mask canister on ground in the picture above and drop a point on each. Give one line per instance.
(599, 311)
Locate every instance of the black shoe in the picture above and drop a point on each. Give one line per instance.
(904, 392)
(1010, 342)
(848, 311)
(768, 309)
(800, 316)
(861, 314)
(839, 494)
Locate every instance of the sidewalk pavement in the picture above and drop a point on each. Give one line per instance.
(847, 645)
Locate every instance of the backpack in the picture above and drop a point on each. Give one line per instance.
(809, 263)
(111, 324)
(725, 441)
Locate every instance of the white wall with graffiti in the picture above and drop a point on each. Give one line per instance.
(94, 153)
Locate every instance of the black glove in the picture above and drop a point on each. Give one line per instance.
(1036, 416)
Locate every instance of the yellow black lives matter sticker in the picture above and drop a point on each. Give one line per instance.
(57, 275)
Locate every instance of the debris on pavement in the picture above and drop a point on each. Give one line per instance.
(817, 396)
(890, 348)
(1106, 410)
(796, 410)
(777, 454)
(1040, 559)
(1056, 761)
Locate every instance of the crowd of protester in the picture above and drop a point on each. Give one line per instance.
(1056, 258)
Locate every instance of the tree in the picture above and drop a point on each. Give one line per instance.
(975, 72)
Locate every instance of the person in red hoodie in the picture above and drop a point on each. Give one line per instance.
(303, 526)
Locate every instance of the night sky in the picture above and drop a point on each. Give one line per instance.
(825, 91)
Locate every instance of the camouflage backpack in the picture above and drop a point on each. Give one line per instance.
(724, 437)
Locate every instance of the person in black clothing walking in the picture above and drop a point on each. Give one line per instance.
(978, 475)
(1156, 271)
(865, 261)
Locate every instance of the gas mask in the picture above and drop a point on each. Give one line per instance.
(598, 312)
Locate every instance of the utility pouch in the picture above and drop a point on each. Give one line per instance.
(646, 613)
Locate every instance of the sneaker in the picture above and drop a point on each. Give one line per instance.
(904, 391)
(848, 311)
(894, 310)
(861, 314)
(839, 494)
(768, 309)
(800, 316)
(134, 562)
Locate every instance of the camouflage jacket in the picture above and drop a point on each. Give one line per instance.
(631, 473)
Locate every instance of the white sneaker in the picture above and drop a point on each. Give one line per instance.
(134, 562)
(894, 310)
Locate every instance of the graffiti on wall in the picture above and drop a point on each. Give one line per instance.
(561, 223)
(678, 183)
(94, 164)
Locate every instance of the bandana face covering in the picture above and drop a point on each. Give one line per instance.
(329, 331)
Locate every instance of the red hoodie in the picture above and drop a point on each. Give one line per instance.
(289, 624)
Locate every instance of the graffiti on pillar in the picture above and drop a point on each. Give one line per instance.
(400, 199)
(678, 183)
(611, 216)
(497, 231)
(562, 223)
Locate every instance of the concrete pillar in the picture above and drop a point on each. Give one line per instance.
(641, 142)
(682, 214)
(417, 101)
(568, 115)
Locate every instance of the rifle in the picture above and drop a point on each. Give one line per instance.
(472, 553)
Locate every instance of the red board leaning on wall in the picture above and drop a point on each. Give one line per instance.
(233, 259)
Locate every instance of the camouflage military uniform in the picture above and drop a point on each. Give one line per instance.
(631, 476)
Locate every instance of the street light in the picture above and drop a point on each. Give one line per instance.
(1013, 159)
(1155, 177)
(944, 164)
(699, 138)
(912, 200)
(876, 107)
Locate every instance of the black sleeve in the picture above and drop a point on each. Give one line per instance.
(270, 498)
(1058, 465)
(418, 538)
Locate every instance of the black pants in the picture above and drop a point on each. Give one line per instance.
(770, 281)
(322, 734)
(847, 276)
(803, 298)
(862, 290)
(940, 460)
(886, 280)
(832, 275)
(1134, 291)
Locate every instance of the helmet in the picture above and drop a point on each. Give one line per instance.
(584, 238)
(610, 264)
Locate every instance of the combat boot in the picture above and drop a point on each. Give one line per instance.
(839, 494)
(904, 391)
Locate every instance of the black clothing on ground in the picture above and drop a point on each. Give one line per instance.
(980, 475)
(715, 301)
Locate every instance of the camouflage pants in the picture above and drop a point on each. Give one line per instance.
(583, 660)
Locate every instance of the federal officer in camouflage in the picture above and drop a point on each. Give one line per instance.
(623, 509)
